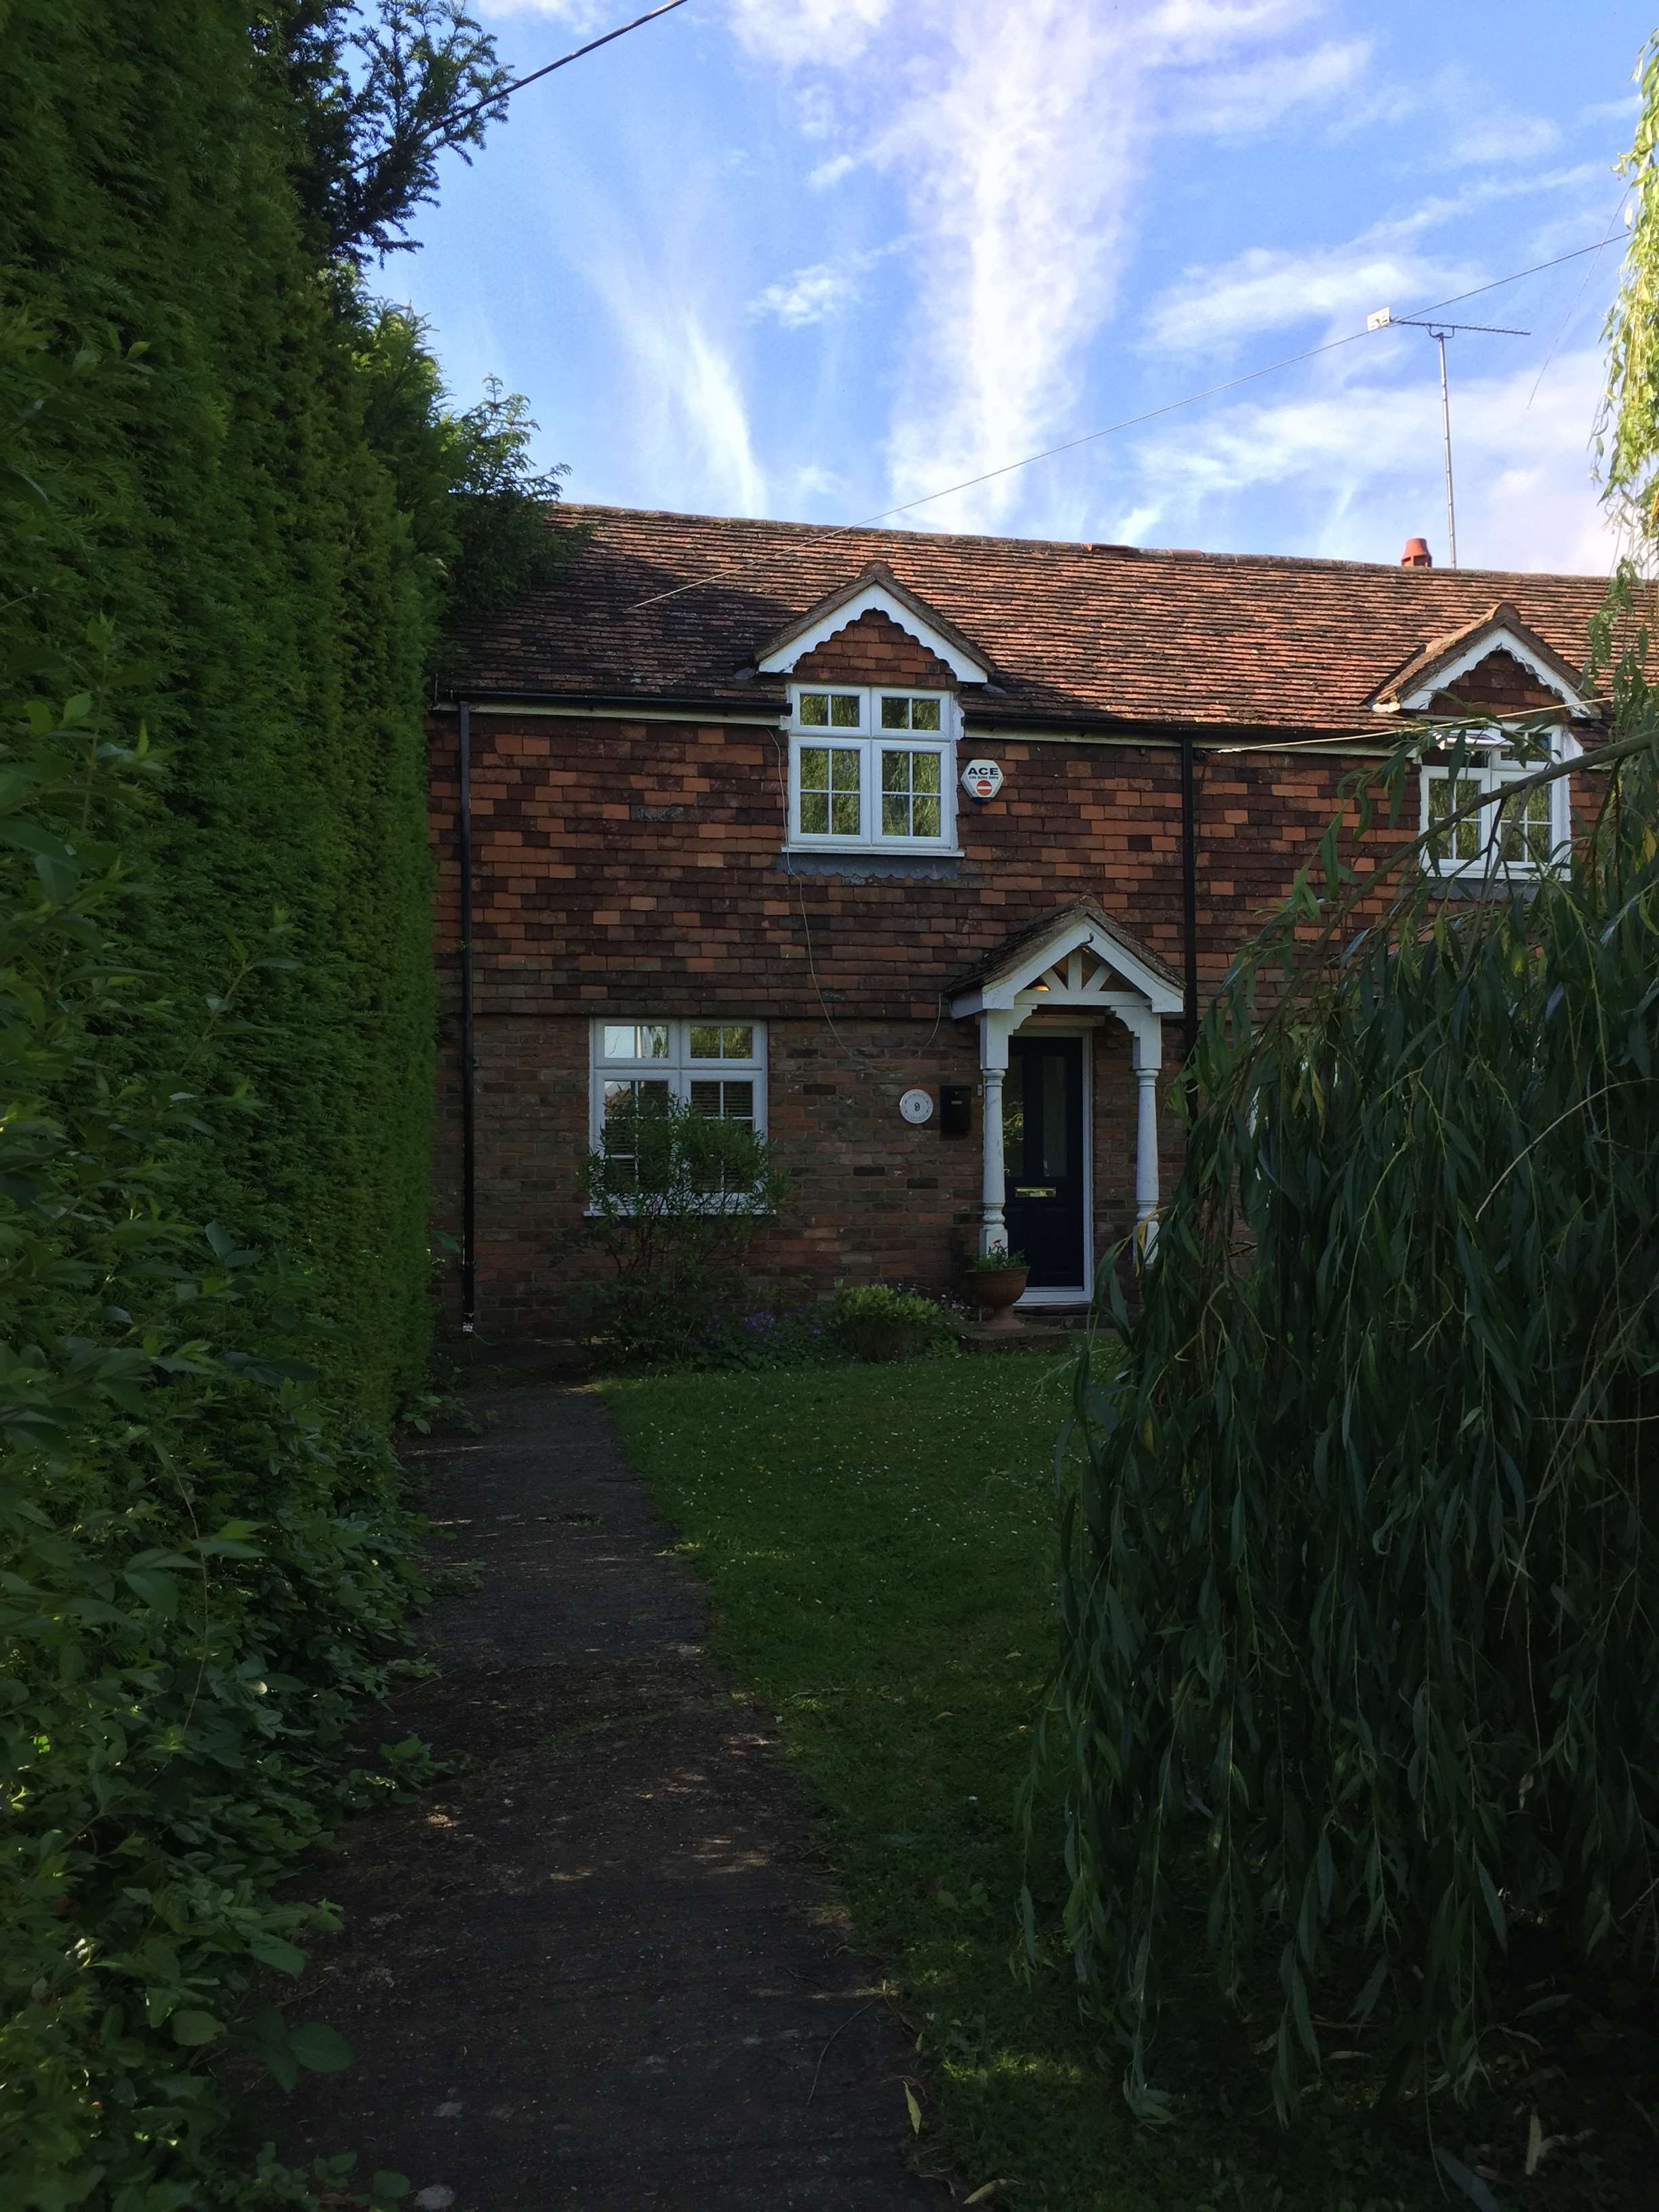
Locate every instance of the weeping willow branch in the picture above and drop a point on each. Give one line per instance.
(1358, 1638)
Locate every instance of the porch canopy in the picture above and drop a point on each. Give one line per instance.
(1074, 961)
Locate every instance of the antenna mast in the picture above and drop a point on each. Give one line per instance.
(1383, 319)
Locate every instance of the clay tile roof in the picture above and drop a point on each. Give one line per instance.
(677, 608)
(1014, 949)
(1422, 668)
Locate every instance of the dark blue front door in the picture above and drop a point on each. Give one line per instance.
(1042, 1159)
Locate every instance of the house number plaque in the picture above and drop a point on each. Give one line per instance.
(916, 1106)
(981, 780)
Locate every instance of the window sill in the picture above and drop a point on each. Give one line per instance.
(1477, 883)
(911, 849)
(862, 863)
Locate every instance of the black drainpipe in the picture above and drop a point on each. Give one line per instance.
(469, 1128)
(1189, 901)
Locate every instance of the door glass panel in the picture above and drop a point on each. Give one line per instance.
(1013, 1119)
(1056, 1160)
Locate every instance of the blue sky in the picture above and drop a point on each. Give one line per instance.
(811, 258)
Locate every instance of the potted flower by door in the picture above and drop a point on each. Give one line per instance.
(996, 1279)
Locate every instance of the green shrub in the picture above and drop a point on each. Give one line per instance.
(873, 1322)
(1360, 1606)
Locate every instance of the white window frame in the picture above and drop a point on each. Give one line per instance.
(870, 741)
(1487, 767)
(677, 1068)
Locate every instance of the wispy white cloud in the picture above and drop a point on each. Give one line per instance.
(685, 403)
(1453, 121)
(1213, 306)
(808, 295)
(796, 33)
(1022, 208)
(1362, 466)
(1268, 288)
(816, 294)
(1242, 103)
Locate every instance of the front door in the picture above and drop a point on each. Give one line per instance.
(1043, 1159)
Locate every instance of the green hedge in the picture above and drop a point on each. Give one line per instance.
(230, 507)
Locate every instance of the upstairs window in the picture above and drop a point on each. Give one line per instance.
(1525, 835)
(872, 766)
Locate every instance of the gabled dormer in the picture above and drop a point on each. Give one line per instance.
(875, 682)
(1493, 670)
(1495, 663)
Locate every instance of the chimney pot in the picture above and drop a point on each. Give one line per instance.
(1417, 554)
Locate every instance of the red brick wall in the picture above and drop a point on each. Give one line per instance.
(637, 865)
(873, 649)
(874, 1198)
(1500, 684)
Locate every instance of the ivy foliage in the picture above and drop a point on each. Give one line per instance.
(1360, 1662)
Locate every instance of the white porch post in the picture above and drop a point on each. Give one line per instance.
(1147, 1030)
(994, 1032)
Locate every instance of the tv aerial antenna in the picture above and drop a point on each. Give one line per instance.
(1385, 319)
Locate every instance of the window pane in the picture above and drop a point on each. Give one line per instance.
(722, 1041)
(723, 1101)
(814, 711)
(636, 1041)
(1524, 831)
(844, 710)
(642, 1096)
(1461, 840)
(924, 713)
(911, 804)
(895, 713)
(829, 780)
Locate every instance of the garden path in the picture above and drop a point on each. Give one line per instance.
(596, 1970)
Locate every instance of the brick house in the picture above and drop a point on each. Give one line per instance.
(922, 853)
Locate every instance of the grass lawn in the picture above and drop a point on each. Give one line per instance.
(879, 1544)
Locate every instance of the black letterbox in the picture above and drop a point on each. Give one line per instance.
(955, 1109)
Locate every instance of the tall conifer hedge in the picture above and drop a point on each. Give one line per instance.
(232, 511)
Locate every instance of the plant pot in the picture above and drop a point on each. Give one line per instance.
(996, 1289)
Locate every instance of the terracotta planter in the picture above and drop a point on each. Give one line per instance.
(996, 1289)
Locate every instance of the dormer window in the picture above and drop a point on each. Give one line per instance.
(872, 766)
(1524, 836)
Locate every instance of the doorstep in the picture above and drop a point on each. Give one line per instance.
(1041, 1328)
